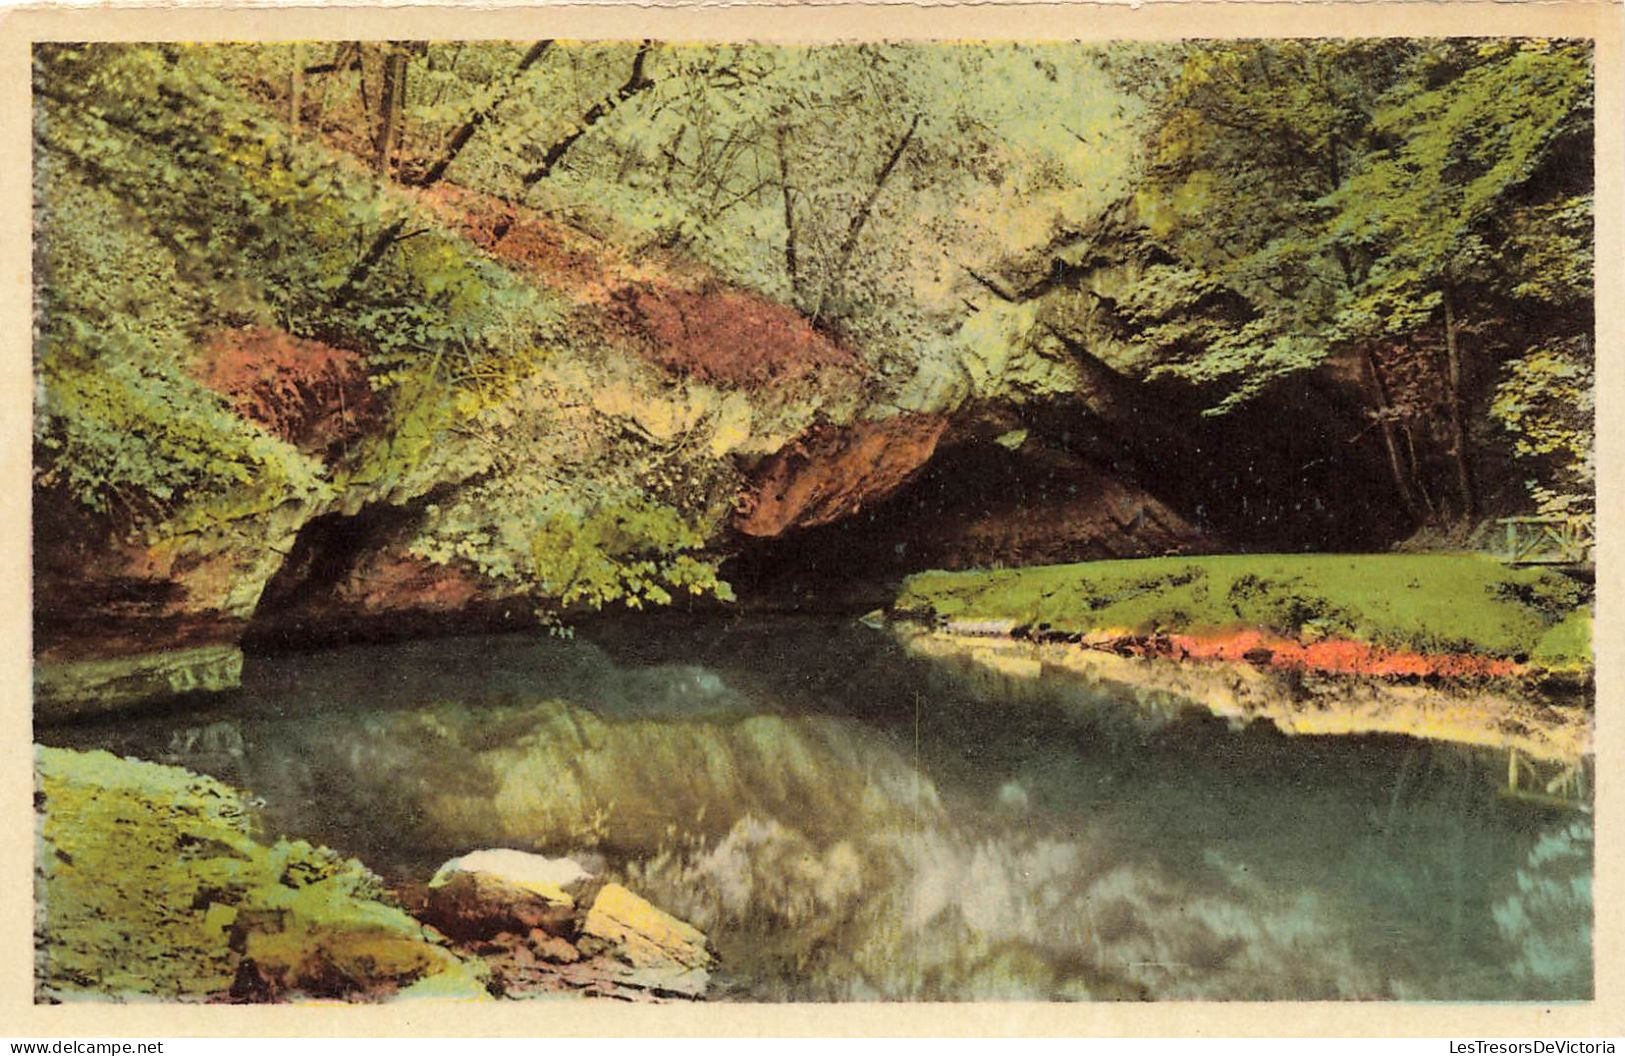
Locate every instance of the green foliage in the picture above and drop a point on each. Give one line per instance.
(1546, 401)
(636, 554)
(1245, 142)
(1567, 645)
(749, 156)
(118, 423)
(170, 204)
(143, 443)
(1454, 143)
(1302, 203)
(1335, 188)
(1413, 213)
(568, 550)
(262, 228)
(247, 206)
(152, 883)
(1435, 602)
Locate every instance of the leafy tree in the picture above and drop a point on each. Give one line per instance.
(852, 182)
(1411, 214)
(1481, 140)
(1547, 402)
(119, 425)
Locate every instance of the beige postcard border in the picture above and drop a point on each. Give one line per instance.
(1605, 1016)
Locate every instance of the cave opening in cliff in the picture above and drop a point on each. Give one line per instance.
(1060, 486)
(352, 577)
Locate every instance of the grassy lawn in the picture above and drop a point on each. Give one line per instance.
(1424, 602)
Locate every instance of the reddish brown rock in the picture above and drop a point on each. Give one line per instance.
(118, 620)
(357, 577)
(834, 472)
(311, 394)
(393, 580)
(552, 948)
(728, 337)
(669, 310)
(1103, 519)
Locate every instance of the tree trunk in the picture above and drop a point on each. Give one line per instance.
(296, 88)
(367, 79)
(347, 56)
(635, 83)
(1417, 474)
(369, 260)
(391, 98)
(1402, 484)
(1458, 432)
(790, 266)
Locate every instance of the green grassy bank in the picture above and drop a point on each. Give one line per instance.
(1437, 603)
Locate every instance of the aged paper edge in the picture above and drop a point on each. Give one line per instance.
(991, 19)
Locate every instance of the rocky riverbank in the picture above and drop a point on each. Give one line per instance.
(153, 883)
(1493, 713)
(1453, 648)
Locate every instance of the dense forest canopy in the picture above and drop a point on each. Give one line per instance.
(1401, 229)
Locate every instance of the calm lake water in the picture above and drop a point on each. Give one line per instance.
(846, 821)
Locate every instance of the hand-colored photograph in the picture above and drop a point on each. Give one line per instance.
(650, 521)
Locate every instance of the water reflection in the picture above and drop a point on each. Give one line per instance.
(847, 821)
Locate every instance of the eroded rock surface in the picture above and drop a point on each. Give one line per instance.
(548, 925)
(660, 951)
(486, 893)
(832, 473)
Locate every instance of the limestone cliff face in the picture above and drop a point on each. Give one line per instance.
(834, 472)
(672, 387)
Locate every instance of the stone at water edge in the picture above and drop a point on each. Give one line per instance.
(552, 948)
(547, 877)
(487, 892)
(661, 952)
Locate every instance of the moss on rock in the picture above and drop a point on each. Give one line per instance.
(150, 883)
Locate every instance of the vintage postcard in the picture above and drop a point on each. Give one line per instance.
(1063, 512)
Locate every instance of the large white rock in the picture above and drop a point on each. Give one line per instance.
(547, 877)
(486, 893)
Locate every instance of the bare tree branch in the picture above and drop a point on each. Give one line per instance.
(465, 133)
(790, 265)
(636, 82)
(843, 256)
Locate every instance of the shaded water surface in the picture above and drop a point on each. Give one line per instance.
(847, 821)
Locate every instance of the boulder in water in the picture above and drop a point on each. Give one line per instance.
(486, 893)
(659, 951)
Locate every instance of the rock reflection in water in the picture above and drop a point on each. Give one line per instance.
(848, 822)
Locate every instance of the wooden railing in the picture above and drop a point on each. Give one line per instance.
(1548, 539)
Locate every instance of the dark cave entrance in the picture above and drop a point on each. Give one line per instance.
(1256, 481)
